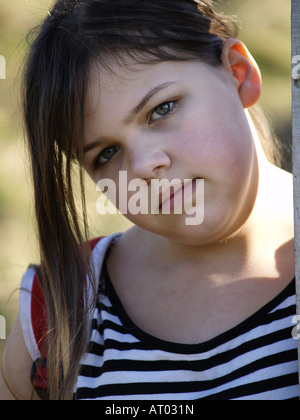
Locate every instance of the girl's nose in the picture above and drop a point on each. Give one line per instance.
(149, 163)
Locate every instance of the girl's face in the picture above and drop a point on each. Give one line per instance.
(174, 120)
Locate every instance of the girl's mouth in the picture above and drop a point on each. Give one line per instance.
(174, 198)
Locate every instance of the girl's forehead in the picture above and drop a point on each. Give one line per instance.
(123, 84)
(129, 72)
(131, 77)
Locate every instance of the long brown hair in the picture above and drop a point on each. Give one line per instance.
(75, 35)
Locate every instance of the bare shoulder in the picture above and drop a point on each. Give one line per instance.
(15, 368)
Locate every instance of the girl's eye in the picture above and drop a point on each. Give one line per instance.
(161, 111)
(106, 155)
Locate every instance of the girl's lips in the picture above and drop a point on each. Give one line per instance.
(168, 194)
(176, 199)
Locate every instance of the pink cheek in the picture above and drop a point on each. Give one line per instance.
(197, 145)
(213, 151)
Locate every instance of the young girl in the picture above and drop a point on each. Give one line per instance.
(158, 90)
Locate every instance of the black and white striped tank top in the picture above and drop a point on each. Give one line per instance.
(256, 360)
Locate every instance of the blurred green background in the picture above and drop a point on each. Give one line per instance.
(264, 28)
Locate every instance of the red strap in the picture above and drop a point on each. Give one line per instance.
(38, 309)
(38, 315)
(93, 242)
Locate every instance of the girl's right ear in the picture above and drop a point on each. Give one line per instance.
(239, 62)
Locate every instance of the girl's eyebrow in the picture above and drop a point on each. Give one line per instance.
(142, 104)
(146, 99)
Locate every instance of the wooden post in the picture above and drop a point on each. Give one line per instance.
(296, 146)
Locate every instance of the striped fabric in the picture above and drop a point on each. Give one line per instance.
(257, 360)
